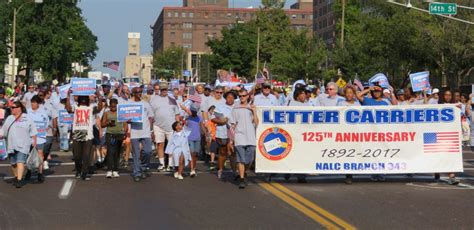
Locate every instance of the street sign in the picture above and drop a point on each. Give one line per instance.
(187, 73)
(443, 8)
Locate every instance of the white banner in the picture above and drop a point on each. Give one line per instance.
(359, 140)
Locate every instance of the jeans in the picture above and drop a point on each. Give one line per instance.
(114, 148)
(82, 152)
(64, 137)
(140, 164)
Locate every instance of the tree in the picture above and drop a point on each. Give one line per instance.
(299, 58)
(169, 62)
(278, 4)
(52, 35)
(236, 50)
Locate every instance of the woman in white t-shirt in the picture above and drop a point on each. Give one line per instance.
(41, 120)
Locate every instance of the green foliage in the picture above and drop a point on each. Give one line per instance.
(277, 4)
(169, 62)
(382, 37)
(52, 35)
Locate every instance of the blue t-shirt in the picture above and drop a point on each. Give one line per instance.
(372, 102)
(193, 124)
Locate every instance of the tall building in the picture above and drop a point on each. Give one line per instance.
(324, 22)
(200, 3)
(135, 64)
(192, 25)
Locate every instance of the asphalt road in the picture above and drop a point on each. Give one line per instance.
(162, 202)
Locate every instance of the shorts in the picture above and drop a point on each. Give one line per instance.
(17, 157)
(96, 140)
(161, 135)
(213, 147)
(102, 141)
(245, 153)
(195, 146)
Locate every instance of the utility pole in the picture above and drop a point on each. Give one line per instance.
(258, 53)
(343, 21)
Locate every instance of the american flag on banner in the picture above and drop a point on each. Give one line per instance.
(441, 142)
(358, 83)
(112, 65)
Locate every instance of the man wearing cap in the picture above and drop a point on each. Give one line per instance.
(434, 97)
(166, 113)
(26, 100)
(401, 97)
(331, 98)
(375, 100)
(140, 133)
(266, 98)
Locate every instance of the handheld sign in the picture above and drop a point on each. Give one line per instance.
(82, 119)
(420, 81)
(133, 112)
(65, 118)
(379, 79)
(83, 86)
(63, 91)
(3, 150)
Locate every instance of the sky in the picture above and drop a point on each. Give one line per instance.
(111, 20)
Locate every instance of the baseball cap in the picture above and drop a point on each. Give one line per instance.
(195, 107)
(386, 91)
(435, 90)
(400, 92)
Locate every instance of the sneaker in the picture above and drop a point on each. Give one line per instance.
(137, 179)
(348, 179)
(453, 181)
(193, 173)
(176, 175)
(28, 174)
(78, 175)
(85, 177)
(180, 177)
(147, 173)
(236, 177)
(374, 178)
(40, 177)
(18, 183)
(219, 175)
(381, 177)
(109, 174)
(160, 168)
(144, 176)
(168, 169)
(212, 166)
(242, 185)
(45, 165)
(115, 174)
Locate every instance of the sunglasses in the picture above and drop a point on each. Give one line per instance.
(267, 87)
(243, 95)
(331, 89)
(219, 92)
(15, 107)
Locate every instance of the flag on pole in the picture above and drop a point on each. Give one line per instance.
(112, 65)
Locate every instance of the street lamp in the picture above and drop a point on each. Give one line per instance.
(15, 12)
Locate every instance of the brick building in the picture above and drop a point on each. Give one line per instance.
(324, 22)
(192, 25)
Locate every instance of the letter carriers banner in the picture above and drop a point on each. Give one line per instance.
(359, 139)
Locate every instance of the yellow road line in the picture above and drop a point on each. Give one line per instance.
(311, 214)
(313, 206)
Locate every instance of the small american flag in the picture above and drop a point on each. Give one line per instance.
(112, 65)
(195, 98)
(441, 142)
(358, 83)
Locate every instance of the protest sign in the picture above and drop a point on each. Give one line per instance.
(420, 81)
(132, 112)
(63, 90)
(379, 79)
(83, 86)
(359, 140)
(3, 150)
(65, 118)
(82, 119)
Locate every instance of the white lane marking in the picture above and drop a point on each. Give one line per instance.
(66, 189)
(458, 187)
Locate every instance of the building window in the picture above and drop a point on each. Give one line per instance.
(187, 46)
(311, 16)
(187, 25)
(191, 15)
(187, 35)
(229, 15)
(173, 44)
(206, 15)
(303, 16)
(170, 15)
(172, 34)
(176, 15)
(206, 26)
(173, 26)
(183, 14)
